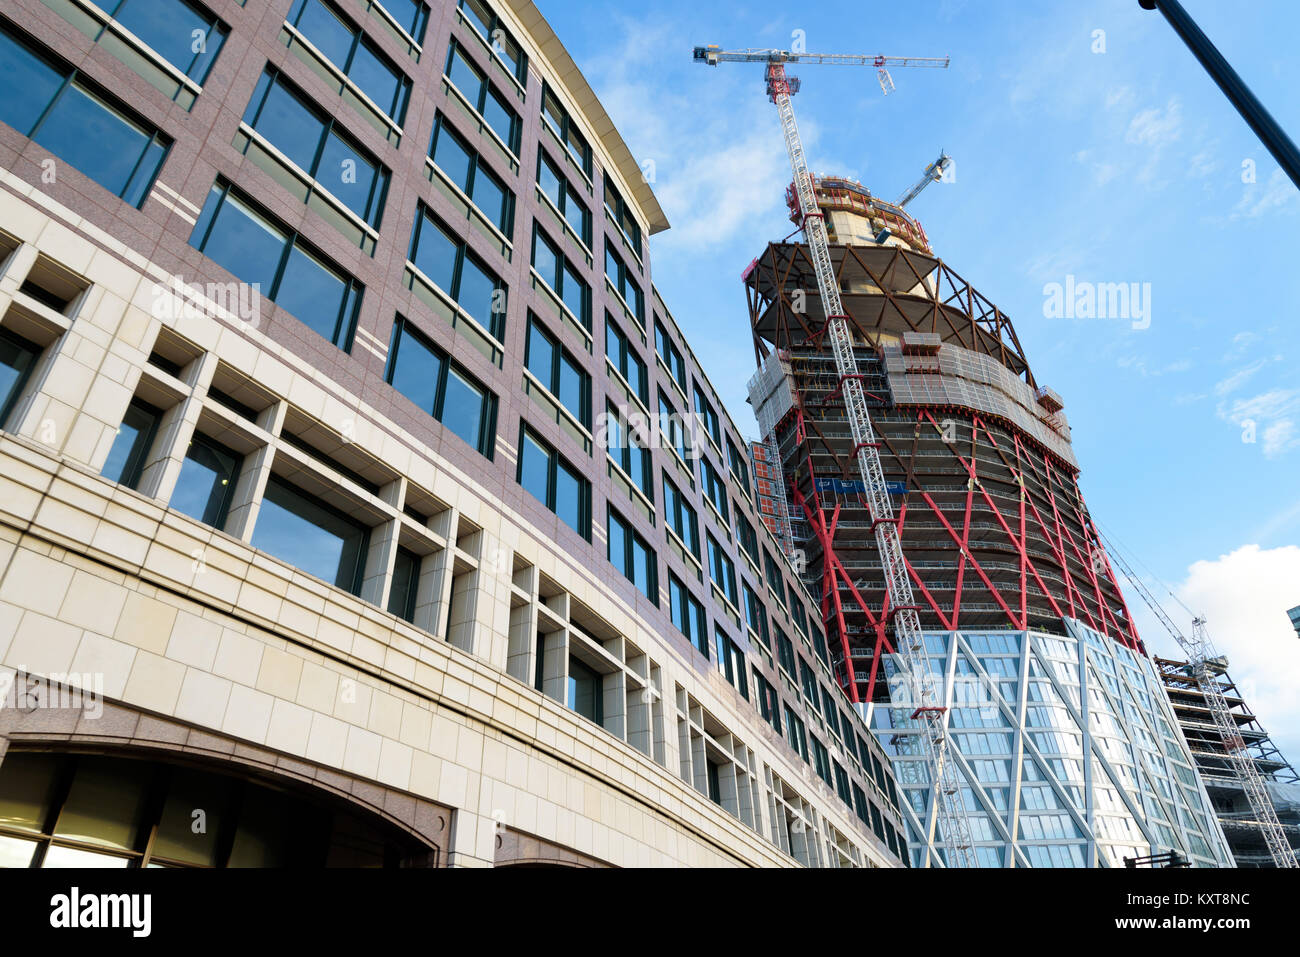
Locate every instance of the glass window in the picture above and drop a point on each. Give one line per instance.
(554, 482)
(349, 49)
(738, 464)
(747, 537)
(623, 217)
(731, 664)
(318, 146)
(406, 583)
(130, 450)
(564, 196)
(769, 702)
(558, 371)
(483, 96)
(286, 271)
(561, 276)
(447, 262)
(465, 167)
(411, 15)
(628, 452)
(721, 570)
(180, 32)
(415, 366)
(77, 123)
(535, 468)
(464, 408)
(621, 277)
(795, 733)
(490, 27)
(207, 481)
(688, 615)
(17, 356)
(311, 535)
(785, 653)
(708, 417)
(558, 119)
(715, 489)
(127, 811)
(670, 423)
(632, 556)
(681, 517)
(755, 614)
(585, 691)
(423, 373)
(670, 354)
(628, 364)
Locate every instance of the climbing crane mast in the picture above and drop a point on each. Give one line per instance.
(929, 709)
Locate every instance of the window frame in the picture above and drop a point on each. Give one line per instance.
(424, 213)
(505, 221)
(345, 325)
(554, 461)
(403, 327)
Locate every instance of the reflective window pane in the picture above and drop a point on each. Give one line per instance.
(435, 254)
(93, 136)
(313, 293)
(102, 807)
(415, 369)
(16, 359)
(327, 32)
(462, 408)
(21, 69)
(169, 27)
(126, 457)
(477, 295)
(303, 532)
(406, 580)
(534, 468)
(245, 243)
(568, 498)
(291, 126)
(490, 196)
(376, 79)
(452, 156)
(206, 481)
(349, 176)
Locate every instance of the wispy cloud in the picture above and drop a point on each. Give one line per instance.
(1276, 195)
(1156, 127)
(1269, 416)
(1239, 378)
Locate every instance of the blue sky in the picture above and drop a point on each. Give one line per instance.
(1126, 165)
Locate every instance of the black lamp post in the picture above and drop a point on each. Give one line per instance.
(1234, 88)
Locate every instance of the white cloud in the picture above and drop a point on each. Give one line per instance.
(1239, 378)
(716, 181)
(1269, 415)
(1156, 127)
(1139, 365)
(1277, 194)
(1279, 437)
(1244, 596)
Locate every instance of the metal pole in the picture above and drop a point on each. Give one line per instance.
(1234, 88)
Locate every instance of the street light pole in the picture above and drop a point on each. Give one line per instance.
(1234, 88)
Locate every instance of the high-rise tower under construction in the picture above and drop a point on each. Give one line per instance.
(1066, 746)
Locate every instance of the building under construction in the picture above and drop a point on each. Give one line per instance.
(1064, 741)
(1240, 822)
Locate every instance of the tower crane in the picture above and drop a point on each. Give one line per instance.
(950, 814)
(1201, 654)
(933, 173)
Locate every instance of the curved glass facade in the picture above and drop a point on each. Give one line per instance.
(1069, 751)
